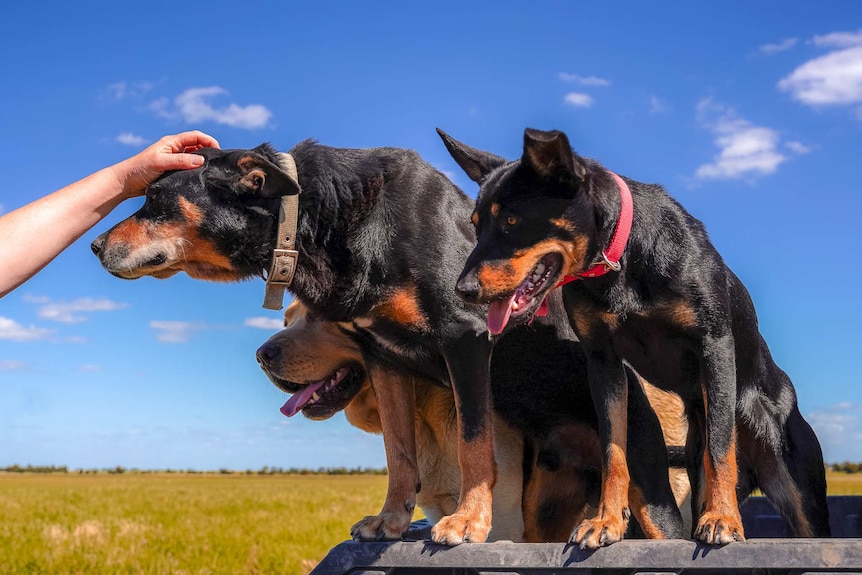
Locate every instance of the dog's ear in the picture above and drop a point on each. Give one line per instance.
(476, 163)
(262, 177)
(549, 153)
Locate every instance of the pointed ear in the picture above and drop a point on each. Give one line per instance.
(262, 177)
(550, 152)
(476, 163)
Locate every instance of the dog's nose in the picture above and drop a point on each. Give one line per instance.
(98, 244)
(267, 352)
(468, 287)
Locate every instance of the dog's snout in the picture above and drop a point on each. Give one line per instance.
(98, 244)
(267, 352)
(468, 287)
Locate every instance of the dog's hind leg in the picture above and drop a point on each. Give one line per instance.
(397, 405)
(795, 479)
(468, 359)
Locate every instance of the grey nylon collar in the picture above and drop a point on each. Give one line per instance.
(284, 256)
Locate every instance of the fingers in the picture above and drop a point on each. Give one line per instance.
(187, 141)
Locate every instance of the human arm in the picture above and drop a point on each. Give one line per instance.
(36, 233)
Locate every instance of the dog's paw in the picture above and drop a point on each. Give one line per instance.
(386, 526)
(715, 529)
(461, 528)
(595, 533)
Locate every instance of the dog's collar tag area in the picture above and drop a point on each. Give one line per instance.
(611, 257)
(284, 256)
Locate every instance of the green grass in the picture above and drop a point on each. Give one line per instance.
(177, 524)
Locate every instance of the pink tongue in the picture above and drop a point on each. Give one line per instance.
(544, 308)
(298, 400)
(498, 314)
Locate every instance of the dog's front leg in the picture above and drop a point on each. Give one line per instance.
(609, 388)
(720, 521)
(397, 404)
(468, 359)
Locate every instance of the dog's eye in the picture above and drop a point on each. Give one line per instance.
(511, 221)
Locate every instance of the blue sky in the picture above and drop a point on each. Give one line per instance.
(749, 113)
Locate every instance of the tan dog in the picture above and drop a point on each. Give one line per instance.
(311, 351)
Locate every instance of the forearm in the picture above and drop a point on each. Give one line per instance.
(35, 234)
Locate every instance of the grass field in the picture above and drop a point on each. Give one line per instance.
(177, 524)
(190, 524)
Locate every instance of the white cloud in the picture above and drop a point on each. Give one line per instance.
(194, 106)
(777, 47)
(89, 367)
(131, 139)
(583, 80)
(797, 147)
(833, 79)
(839, 429)
(658, 106)
(14, 331)
(264, 322)
(124, 90)
(70, 312)
(839, 39)
(578, 100)
(173, 331)
(12, 365)
(744, 149)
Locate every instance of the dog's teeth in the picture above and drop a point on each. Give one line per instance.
(515, 305)
(540, 269)
(315, 396)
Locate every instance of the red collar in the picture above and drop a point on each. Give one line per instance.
(611, 257)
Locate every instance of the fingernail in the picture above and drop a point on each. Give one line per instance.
(197, 160)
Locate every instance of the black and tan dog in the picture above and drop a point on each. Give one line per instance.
(322, 366)
(381, 237)
(660, 298)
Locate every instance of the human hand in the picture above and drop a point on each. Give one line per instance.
(169, 153)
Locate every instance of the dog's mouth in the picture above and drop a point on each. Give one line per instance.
(325, 397)
(528, 299)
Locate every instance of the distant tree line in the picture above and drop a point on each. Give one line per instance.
(265, 470)
(846, 467)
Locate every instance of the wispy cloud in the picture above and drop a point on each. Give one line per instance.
(124, 90)
(658, 106)
(264, 323)
(777, 47)
(745, 150)
(834, 79)
(797, 147)
(89, 367)
(195, 106)
(71, 312)
(12, 364)
(578, 100)
(173, 331)
(130, 139)
(583, 80)
(13, 331)
(839, 429)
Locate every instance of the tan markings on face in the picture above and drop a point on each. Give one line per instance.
(495, 210)
(132, 232)
(200, 258)
(191, 212)
(563, 224)
(475, 218)
(402, 307)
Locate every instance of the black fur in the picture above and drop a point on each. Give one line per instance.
(675, 312)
